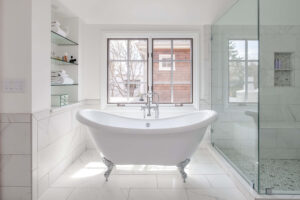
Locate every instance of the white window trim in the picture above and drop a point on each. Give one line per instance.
(166, 56)
(150, 35)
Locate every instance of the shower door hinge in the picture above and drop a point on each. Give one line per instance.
(269, 191)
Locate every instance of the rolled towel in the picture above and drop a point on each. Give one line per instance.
(55, 23)
(59, 73)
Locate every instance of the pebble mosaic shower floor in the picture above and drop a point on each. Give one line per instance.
(282, 175)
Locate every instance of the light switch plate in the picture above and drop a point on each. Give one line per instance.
(13, 86)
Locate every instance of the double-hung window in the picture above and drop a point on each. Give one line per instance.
(243, 67)
(171, 70)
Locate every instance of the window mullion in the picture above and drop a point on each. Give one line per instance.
(172, 68)
(246, 70)
(128, 72)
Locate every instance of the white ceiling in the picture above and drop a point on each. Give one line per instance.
(148, 12)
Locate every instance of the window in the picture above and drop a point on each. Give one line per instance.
(243, 67)
(128, 70)
(173, 86)
(165, 65)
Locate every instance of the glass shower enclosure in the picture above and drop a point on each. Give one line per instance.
(256, 92)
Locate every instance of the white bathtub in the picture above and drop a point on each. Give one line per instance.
(167, 141)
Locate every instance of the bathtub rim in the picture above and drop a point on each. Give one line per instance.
(148, 130)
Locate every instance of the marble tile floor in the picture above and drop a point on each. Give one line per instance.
(84, 180)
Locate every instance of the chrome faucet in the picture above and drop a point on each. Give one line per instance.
(149, 105)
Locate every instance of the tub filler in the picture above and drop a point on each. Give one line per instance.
(167, 141)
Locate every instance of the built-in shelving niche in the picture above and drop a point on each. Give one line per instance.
(283, 69)
(60, 45)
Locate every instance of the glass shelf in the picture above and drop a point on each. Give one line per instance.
(61, 62)
(75, 84)
(287, 69)
(61, 40)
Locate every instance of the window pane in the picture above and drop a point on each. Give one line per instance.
(138, 49)
(182, 72)
(252, 82)
(182, 93)
(164, 92)
(182, 49)
(118, 49)
(117, 71)
(161, 47)
(161, 72)
(135, 92)
(237, 91)
(252, 50)
(237, 49)
(117, 92)
(138, 71)
(127, 70)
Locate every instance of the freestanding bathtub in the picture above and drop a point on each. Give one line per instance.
(166, 141)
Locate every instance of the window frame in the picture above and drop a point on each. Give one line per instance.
(246, 62)
(173, 60)
(199, 80)
(128, 60)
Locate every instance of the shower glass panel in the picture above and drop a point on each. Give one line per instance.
(279, 96)
(235, 88)
(256, 92)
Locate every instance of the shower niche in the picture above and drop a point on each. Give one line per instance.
(283, 69)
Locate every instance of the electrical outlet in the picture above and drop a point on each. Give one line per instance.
(13, 86)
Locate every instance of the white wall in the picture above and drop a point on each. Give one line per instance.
(24, 55)
(40, 57)
(243, 12)
(279, 12)
(15, 53)
(94, 70)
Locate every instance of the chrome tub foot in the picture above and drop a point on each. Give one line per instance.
(110, 165)
(181, 166)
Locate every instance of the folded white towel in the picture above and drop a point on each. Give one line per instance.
(61, 80)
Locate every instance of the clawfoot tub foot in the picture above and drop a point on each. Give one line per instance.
(110, 165)
(181, 166)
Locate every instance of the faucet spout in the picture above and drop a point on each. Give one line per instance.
(149, 104)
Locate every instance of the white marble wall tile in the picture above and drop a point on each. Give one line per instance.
(15, 118)
(60, 142)
(50, 129)
(49, 157)
(43, 185)
(34, 185)
(15, 170)
(15, 138)
(15, 193)
(34, 143)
